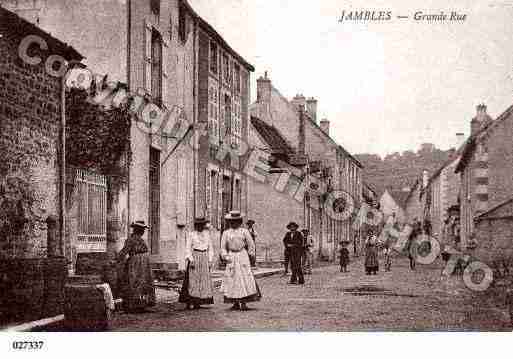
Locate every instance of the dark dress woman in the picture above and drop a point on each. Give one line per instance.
(371, 255)
(138, 292)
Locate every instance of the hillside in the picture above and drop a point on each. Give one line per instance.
(399, 170)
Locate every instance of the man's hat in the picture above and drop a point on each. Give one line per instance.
(139, 224)
(292, 224)
(233, 215)
(200, 220)
(250, 222)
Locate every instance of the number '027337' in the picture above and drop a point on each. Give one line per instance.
(27, 345)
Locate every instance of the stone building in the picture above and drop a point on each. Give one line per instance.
(272, 206)
(165, 53)
(413, 205)
(393, 202)
(485, 168)
(327, 161)
(444, 189)
(30, 141)
(493, 230)
(222, 105)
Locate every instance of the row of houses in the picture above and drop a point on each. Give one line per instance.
(165, 50)
(473, 190)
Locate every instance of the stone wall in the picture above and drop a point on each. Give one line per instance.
(29, 134)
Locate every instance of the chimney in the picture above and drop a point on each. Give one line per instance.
(480, 119)
(311, 107)
(460, 138)
(302, 138)
(425, 178)
(481, 112)
(299, 100)
(264, 89)
(325, 126)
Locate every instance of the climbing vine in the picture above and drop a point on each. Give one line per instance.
(19, 205)
(97, 138)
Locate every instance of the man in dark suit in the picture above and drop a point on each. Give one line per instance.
(294, 242)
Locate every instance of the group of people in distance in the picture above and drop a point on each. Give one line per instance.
(239, 286)
(374, 243)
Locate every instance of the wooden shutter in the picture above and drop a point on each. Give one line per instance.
(147, 56)
(165, 74)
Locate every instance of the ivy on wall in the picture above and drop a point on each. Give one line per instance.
(19, 214)
(97, 139)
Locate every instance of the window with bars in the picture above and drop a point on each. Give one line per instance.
(92, 208)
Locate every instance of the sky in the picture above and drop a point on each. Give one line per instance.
(385, 86)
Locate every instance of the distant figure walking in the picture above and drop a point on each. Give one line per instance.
(239, 286)
(138, 292)
(197, 288)
(355, 244)
(411, 246)
(371, 254)
(387, 241)
(344, 256)
(294, 241)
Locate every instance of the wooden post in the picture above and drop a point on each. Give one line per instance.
(53, 248)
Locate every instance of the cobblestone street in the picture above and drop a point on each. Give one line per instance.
(333, 301)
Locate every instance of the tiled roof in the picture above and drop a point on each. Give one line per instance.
(210, 29)
(271, 136)
(399, 197)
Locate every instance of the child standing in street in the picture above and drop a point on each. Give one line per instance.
(344, 256)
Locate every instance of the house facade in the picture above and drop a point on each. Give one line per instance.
(177, 65)
(493, 230)
(485, 168)
(326, 162)
(223, 96)
(444, 188)
(393, 202)
(273, 203)
(413, 205)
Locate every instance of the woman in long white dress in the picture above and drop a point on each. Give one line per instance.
(197, 288)
(239, 286)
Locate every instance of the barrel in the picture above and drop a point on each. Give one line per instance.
(103, 264)
(85, 308)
